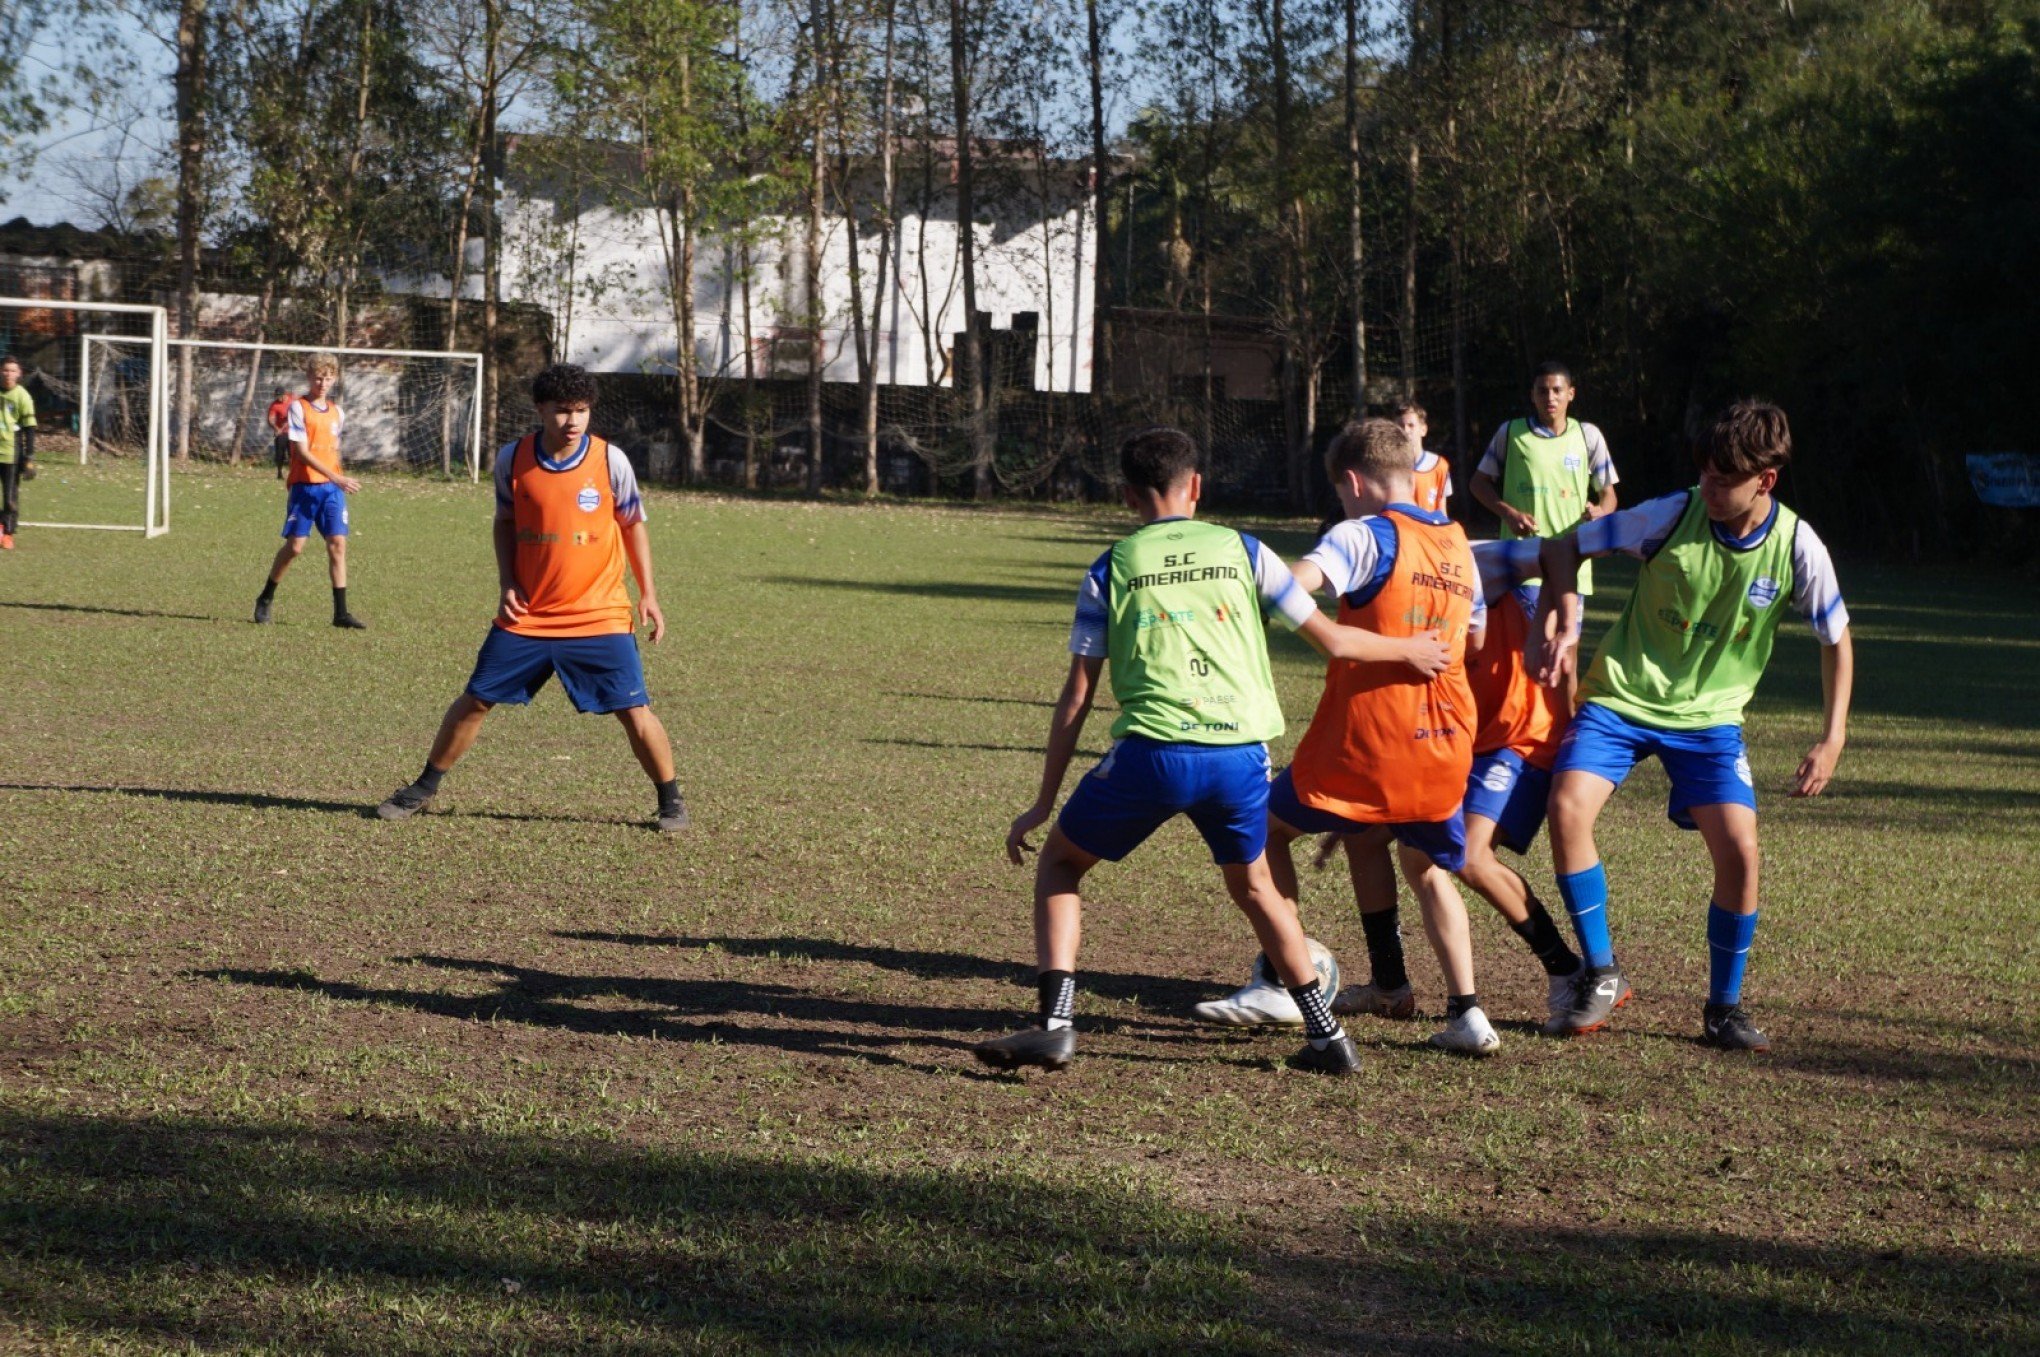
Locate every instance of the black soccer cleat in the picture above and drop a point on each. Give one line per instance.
(672, 819)
(1034, 1046)
(1595, 997)
(349, 622)
(1338, 1057)
(404, 802)
(1727, 1028)
(261, 610)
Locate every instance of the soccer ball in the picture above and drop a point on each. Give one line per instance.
(1320, 957)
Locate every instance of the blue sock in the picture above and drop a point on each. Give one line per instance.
(1728, 951)
(1586, 900)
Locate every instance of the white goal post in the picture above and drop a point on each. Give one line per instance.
(46, 344)
(411, 407)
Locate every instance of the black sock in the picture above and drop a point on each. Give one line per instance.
(428, 781)
(669, 795)
(1384, 948)
(1057, 994)
(339, 600)
(1546, 941)
(1459, 1003)
(268, 591)
(1318, 1023)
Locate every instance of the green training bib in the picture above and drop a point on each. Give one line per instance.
(1189, 651)
(1549, 479)
(1692, 641)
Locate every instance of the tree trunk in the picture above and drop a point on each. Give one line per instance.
(458, 274)
(351, 227)
(1101, 172)
(817, 180)
(492, 265)
(1414, 166)
(744, 270)
(886, 226)
(970, 367)
(1356, 255)
(191, 140)
(252, 385)
(862, 330)
(1290, 320)
(693, 421)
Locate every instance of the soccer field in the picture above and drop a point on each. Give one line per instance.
(522, 1075)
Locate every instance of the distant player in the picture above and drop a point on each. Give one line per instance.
(568, 519)
(279, 426)
(1546, 474)
(318, 488)
(1432, 474)
(1178, 609)
(1671, 679)
(17, 447)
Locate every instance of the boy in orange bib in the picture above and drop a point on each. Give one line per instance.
(318, 488)
(568, 518)
(1385, 754)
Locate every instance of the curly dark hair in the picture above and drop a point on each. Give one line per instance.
(1156, 458)
(563, 383)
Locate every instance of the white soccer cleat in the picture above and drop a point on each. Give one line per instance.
(1468, 1034)
(1263, 1001)
(1257, 1003)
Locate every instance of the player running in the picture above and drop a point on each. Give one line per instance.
(1177, 607)
(568, 518)
(1672, 678)
(318, 489)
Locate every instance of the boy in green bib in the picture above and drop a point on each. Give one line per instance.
(1672, 677)
(17, 446)
(1179, 609)
(1547, 474)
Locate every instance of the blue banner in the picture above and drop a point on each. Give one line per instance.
(2008, 479)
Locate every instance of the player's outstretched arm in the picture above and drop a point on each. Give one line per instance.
(1424, 653)
(637, 546)
(1837, 686)
(1064, 730)
(1552, 649)
(512, 604)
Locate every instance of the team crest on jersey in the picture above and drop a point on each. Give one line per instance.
(1763, 592)
(580, 539)
(590, 499)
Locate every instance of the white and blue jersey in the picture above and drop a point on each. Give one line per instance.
(1356, 557)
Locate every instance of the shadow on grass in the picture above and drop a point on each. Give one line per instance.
(381, 1237)
(112, 612)
(1033, 749)
(976, 699)
(265, 801)
(1163, 994)
(1493, 1286)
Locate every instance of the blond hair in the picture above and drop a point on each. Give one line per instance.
(322, 365)
(1375, 448)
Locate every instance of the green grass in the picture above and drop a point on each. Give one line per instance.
(522, 1075)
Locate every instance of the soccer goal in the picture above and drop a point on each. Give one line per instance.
(406, 409)
(129, 489)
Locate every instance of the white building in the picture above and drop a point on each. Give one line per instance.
(600, 269)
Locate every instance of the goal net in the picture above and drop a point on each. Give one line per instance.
(406, 409)
(128, 486)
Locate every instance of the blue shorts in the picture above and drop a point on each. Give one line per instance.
(600, 673)
(318, 508)
(1142, 784)
(1510, 790)
(1708, 767)
(1443, 841)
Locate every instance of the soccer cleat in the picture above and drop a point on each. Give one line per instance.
(261, 610)
(1373, 1001)
(1726, 1027)
(1558, 995)
(1337, 1056)
(1258, 1003)
(674, 820)
(1594, 998)
(349, 622)
(1468, 1034)
(1034, 1046)
(6, 541)
(404, 802)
